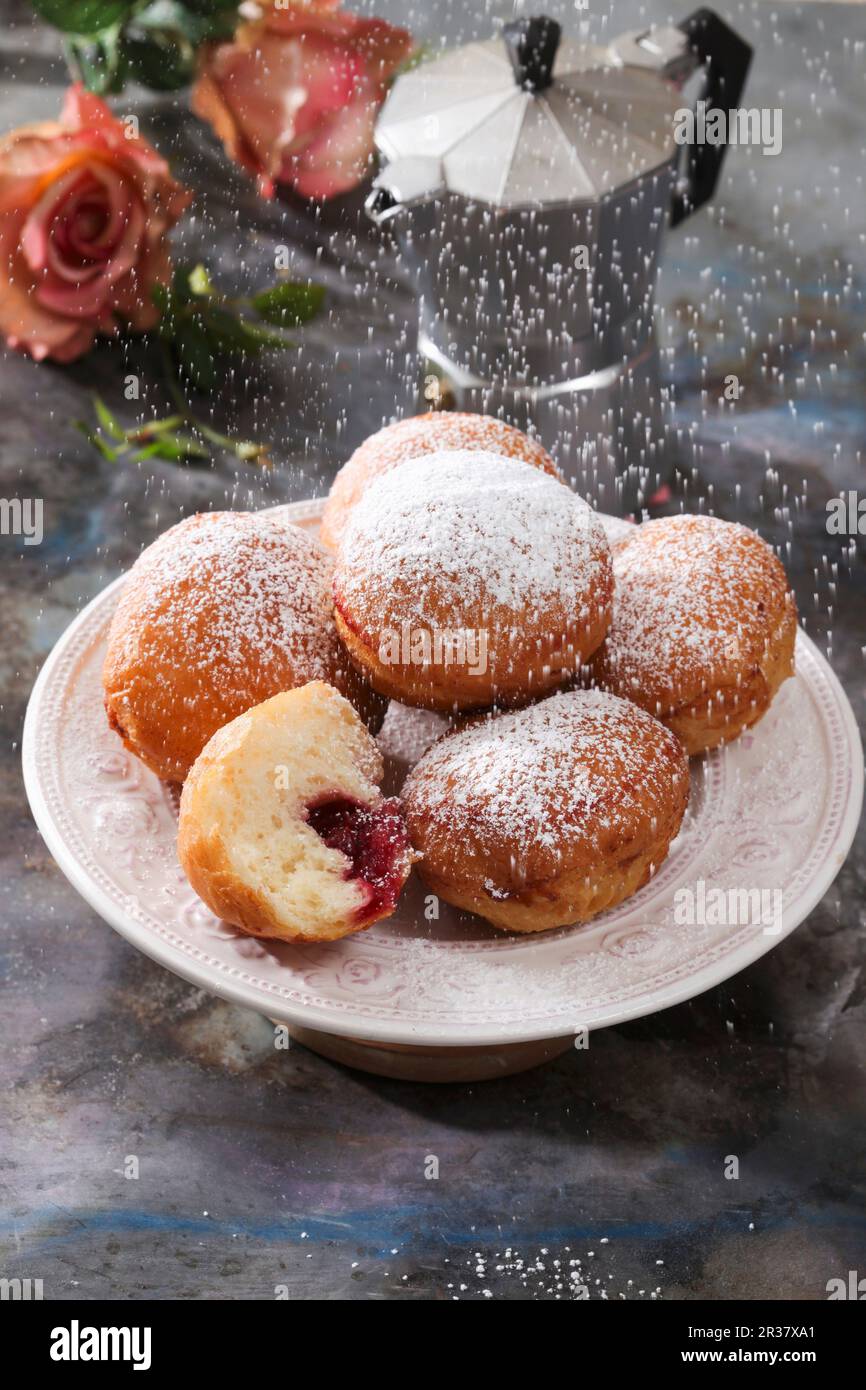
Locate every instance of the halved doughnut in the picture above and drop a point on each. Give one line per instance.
(284, 831)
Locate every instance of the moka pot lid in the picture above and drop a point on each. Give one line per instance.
(528, 119)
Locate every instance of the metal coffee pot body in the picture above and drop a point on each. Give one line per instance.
(529, 181)
(525, 298)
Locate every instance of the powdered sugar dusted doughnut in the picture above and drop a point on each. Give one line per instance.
(283, 829)
(545, 816)
(703, 630)
(616, 528)
(422, 434)
(222, 611)
(465, 579)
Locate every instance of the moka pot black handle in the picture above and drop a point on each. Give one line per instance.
(725, 57)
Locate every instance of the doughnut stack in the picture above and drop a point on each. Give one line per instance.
(578, 665)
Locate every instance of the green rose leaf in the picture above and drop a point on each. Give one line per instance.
(200, 282)
(258, 337)
(99, 62)
(195, 351)
(162, 59)
(227, 331)
(107, 420)
(210, 7)
(95, 438)
(289, 304)
(83, 16)
(161, 298)
(199, 324)
(181, 291)
(178, 438)
(197, 23)
(174, 448)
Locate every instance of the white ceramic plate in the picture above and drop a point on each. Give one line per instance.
(775, 810)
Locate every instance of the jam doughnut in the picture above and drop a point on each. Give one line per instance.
(422, 434)
(542, 817)
(222, 611)
(703, 630)
(283, 829)
(466, 579)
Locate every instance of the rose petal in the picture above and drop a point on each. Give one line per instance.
(337, 159)
(26, 326)
(84, 214)
(82, 110)
(87, 296)
(293, 96)
(36, 230)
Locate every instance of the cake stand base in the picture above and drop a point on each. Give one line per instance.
(439, 1064)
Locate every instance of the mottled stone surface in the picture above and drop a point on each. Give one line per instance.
(259, 1168)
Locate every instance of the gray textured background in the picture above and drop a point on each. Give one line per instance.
(261, 1169)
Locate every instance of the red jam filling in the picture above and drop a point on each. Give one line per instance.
(373, 839)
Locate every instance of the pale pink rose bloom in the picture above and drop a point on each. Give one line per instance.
(295, 94)
(84, 213)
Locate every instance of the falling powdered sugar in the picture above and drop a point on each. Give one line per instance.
(470, 531)
(574, 769)
(231, 588)
(693, 594)
(446, 430)
(433, 433)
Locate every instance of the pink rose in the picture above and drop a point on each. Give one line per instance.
(84, 212)
(294, 96)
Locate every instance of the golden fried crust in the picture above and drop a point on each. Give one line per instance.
(502, 571)
(566, 900)
(204, 856)
(712, 721)
(546, 816)
(704, 627)
(422, 434)
(518, 672)
(221, 612)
